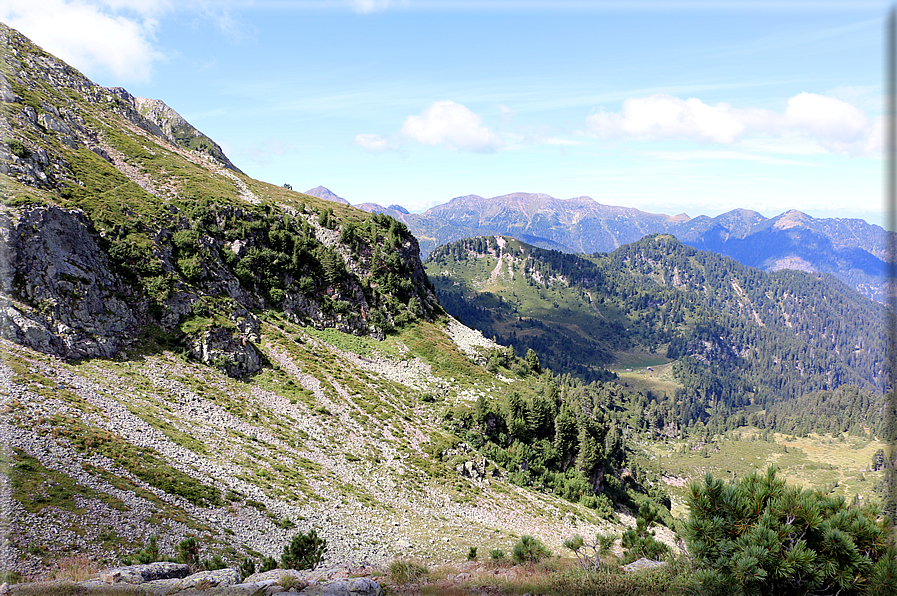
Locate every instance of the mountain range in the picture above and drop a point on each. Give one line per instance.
(852, 250)
(189, 353)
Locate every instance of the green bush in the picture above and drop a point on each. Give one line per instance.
(289, 581)
(600, 548)
(497, 555)
(759, 536)
(639, 542)
(403, 571)
(268, 563)
(304, 551)
(149, 553)
(17, 148)
(214, 563)
(529, 550)
(188, 552)
(472, 554)
(247, 567)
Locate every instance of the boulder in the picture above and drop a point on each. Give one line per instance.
(139, 574)
(358, 586)
(644, 564)
(223, 349)
(273, 575)
(211, 579)
(162, 587)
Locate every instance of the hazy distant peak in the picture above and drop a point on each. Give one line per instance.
(399, 208)
(792, 219)
(322, 192)
(371, 207)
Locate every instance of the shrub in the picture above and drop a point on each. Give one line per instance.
(288, 581)
(472, 554)
(639, 542)
(758, 535)
(17, 148)
(149, 553)
(599, 548)
(497, 555)
(247, 568)
(529, 550)
(188, 552)
(268, 563)
(403, 571)
(214, 563)
(304, 551)
(76, 569)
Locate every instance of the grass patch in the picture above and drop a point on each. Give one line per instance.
(144, 462)
(175, 435)
(37, 487)
(44, 386)
(74, 589)
(363, 345)
(434, 346)
(406, 571)
(278, 381)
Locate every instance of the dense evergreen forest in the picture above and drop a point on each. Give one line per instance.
(561, 435)
(741, 339)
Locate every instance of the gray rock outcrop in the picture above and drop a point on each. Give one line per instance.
(139, 574)
(59, 294)
(359, 586)
(221, 348)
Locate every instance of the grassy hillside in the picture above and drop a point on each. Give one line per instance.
(341, 434)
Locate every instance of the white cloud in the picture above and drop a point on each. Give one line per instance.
(442, 124)
(811, 123)
(703, 154)
(667, 117)
(506, 114)
(451, 125)
(114, 36)
(367, 6)
(835, 124)
(562, 142)
(374, 143)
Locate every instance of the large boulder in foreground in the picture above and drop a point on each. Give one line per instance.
(139, 574)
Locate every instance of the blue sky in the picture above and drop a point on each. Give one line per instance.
(694, 107)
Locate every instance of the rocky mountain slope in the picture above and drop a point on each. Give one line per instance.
(187, 351)
(852, 250)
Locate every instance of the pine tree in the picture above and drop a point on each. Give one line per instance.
(566, 435)
(760, 536)
(532, 361)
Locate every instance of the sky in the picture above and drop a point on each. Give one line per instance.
(666, 106)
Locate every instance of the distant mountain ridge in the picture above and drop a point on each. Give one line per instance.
(852, 250)
(326, 194)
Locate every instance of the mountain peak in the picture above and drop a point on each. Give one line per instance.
(791, 219)
(325, 193)
(174, 127)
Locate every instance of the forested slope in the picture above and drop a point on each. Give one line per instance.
(737, 335)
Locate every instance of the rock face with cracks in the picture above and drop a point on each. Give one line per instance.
(79, 307)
